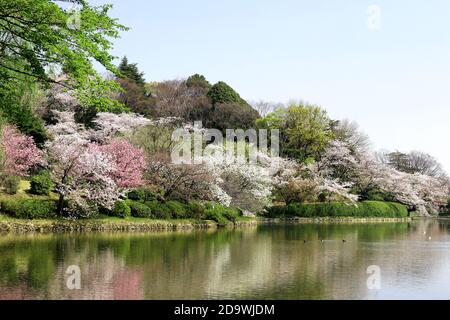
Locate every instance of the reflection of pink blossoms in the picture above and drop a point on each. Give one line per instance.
(128, 160)
(20, 152)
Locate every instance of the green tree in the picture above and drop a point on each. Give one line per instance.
(17, 106)
(135, 96)
(232, 116)
(38, 35)
(131, 71)
(308, 131)
(305, 130)
(223, 93)
(229, 110)
(198, 81)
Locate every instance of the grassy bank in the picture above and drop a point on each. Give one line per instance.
(24, 212)
(141, 208)
(111, 224)
(365, 209)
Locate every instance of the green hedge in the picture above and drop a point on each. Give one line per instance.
(180, 210)
(335, 209)
(29, 209)
(221, 214)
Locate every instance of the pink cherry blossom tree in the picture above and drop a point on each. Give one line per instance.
(129, 162)
(82, 174)
(91, 168)
(19, 152)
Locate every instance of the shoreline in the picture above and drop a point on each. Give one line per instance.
(324, 220)
(12, 225)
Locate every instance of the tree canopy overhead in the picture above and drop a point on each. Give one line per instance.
(37, 36)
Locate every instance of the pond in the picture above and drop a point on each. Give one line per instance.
(310, 261)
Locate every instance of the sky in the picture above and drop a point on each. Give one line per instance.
(384, 64)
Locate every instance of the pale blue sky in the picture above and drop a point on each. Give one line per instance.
(395, 82)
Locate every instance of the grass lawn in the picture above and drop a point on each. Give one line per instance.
(23, 193)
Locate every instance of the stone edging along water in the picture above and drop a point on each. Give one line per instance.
(52, 226)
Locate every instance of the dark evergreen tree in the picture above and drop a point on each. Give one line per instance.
(131, 71)
(223, 93)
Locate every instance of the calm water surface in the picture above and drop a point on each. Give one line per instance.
(264, 262)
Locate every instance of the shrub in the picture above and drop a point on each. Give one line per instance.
(11, 184)
(196, 210)
(336, 209)
(121, 209)
(231, 215)
(217, 217)
(29, 209)
(159, 210)
(221, 214)
(136, 195)
(141, 194)
(178, 210)
(377, 195)
(139, 210)
(41, 184)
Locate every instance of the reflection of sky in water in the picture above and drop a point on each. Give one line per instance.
(268, 262)
(426, 277)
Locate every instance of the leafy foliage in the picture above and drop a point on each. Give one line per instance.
(37, 34)
(131, 71)
(17, 105)
(305, 129)
(232, 116)
(221, 214)
(198, 81)
(29, 209)
(223, 93)
(141, 194)
(41, 184)
(330, 209)
(139, 210)
(121, 209)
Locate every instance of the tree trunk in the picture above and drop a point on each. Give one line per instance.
(60, 204)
